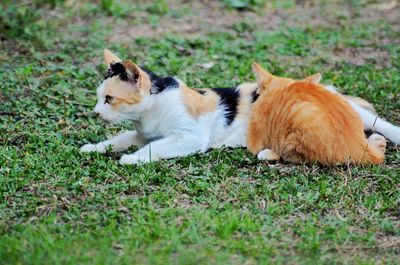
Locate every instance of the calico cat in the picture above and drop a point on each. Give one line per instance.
(305, 122)
(171, 119)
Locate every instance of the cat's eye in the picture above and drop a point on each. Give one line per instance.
(108, 100)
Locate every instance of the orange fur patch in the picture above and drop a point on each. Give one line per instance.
(127, 92)
(198, 104)
(122, 92)
(304, 122)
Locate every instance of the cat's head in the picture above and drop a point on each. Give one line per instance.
(267, 81)
(126, 90)
(123, 92)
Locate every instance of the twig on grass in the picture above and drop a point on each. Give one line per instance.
(8, 113)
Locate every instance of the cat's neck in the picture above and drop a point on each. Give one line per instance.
(158, 114)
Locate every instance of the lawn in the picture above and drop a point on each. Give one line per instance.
(58, 206)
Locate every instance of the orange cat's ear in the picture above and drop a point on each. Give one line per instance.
(261, 74)
(110, 57)
(315, 78)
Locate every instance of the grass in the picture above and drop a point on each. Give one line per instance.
(58, 206)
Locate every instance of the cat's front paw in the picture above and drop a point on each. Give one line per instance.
(135, 159)
(87, 148)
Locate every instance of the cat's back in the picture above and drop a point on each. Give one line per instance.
(305, 108)
(298, 103)
(316, 100)
(313, 93)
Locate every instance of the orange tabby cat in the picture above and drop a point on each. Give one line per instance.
(302, 121)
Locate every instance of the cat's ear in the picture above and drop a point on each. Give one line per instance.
(315, 78)
(138, 76)
(133, 71)
(110, 57)
(260, 73)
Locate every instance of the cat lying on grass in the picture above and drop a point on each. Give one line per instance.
(304, 122)
(173, 120)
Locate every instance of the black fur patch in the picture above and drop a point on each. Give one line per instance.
(158, 83)
(164, 83)
(152, 75)
(117, 69)
(230, 100)
(201, 92)
(254, 96)
(368, 133)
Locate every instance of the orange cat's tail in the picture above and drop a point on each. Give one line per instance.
(375, 153)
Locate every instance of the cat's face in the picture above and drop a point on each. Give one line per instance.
(267, 81)
(124, 92)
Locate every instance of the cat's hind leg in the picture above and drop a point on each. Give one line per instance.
(268, 154)
(373, 122)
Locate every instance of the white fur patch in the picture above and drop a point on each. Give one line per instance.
(267, 154)
(372, 122)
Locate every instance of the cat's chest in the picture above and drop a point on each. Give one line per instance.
(152, 129)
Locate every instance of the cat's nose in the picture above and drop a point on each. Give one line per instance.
(97, 113)
(97, 110)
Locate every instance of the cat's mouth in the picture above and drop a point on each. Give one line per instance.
(108, 123)
(116, 120)
(111, 122)
(105, 120)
